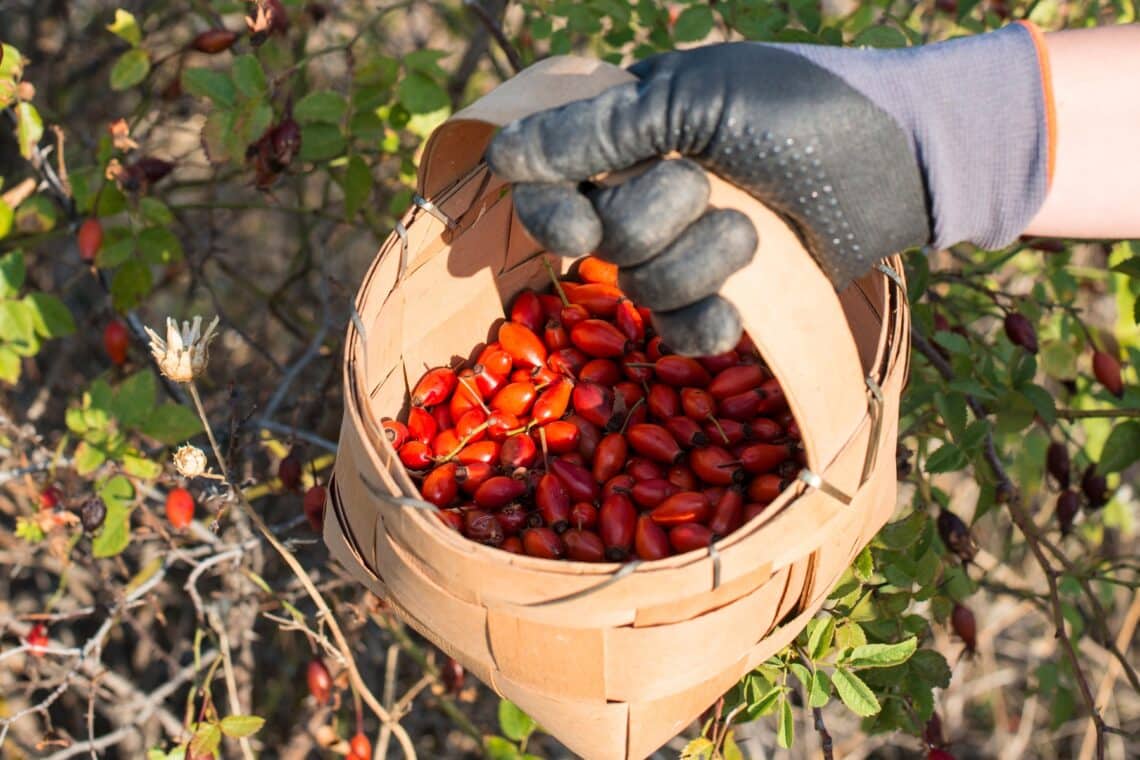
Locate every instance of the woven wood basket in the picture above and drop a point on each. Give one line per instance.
(612, 660)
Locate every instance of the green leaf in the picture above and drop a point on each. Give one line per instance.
(855, 694)
(130, 69)
(155, 211)
(802, 674)
(50, 317)
(952, 342)
(921, 696)
(952, 409)
(730, 750)
(29, 128)
(1058, 359)
(1014, 413)
(118, 245)
(419, 93)
(88, 458)
(880, 37)
(1022, 369)
(902, 533)
(1121, 449)
(820, 638)
(1042, 401)
(217, 133)
(159, 246)
(931, 667)
(6, 215)
(974, 435)
(18, 328)
(12, 273)
(238, 726)
(498, 748)
(29, 530)
(864, 564)
(694, 24)
(973, 387)
(207, 83)
(357, 185)
(206, 740)
(1129, 267)
(321, 106)
(880, 655)
(249, 78)
(820, 692)
(11, 70)
(426, 61)
(320, 142)
(118, 494)
(37, 214)
(138, 466)
(125, 27)
(765, 704)
(134, 398)
(131, 283)
(700, 748)
(514, 723)
(786, 731)
(171, 424)
(946, 459)
(9, 365)
(850, 635)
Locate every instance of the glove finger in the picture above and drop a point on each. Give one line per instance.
(612, 131)
(643, 215)
(559, 217)
(705, 328)
(694, 265)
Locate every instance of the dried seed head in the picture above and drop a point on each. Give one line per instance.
(190, 461)
(184, 354)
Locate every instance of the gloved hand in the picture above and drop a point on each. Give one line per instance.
(865, 152)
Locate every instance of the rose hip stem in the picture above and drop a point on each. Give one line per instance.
(719, 429)
(474, 394)
(554, 278)
(629, 414)
(542, 440)
(463, 442)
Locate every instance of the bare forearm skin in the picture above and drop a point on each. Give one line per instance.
(1095, 192)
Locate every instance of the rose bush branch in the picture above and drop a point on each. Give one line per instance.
(1029, 531)
(181, 357)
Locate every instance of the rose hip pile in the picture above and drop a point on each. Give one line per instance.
(578, 435)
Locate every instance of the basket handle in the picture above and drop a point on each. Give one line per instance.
(829, 396)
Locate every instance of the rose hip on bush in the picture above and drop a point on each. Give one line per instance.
(600, 444)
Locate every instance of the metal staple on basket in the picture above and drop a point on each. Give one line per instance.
(434, 210)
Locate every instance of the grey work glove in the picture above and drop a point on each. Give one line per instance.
(865, 152)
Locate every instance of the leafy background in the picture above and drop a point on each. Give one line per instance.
(252, 175)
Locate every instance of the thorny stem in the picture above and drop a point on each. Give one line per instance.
(355, 679)
(1025, 524)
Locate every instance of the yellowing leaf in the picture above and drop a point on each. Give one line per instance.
(125, 27)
